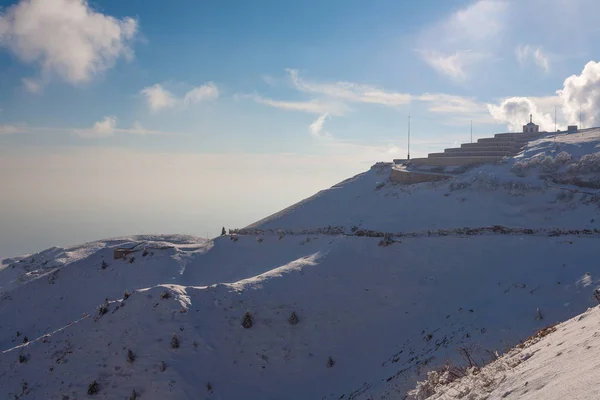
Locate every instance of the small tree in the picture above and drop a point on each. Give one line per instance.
(175, 342)
(93, 388)
(330, 362)
(223, 232)
(130, 356)
(293, 320)
(247, 321)
(104, 264)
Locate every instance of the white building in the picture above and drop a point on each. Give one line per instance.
(531, 127)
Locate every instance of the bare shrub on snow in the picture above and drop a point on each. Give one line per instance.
(546, 164)
(587, 164)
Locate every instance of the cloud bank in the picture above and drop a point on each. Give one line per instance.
(65, 38)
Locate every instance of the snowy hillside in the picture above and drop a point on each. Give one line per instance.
(384, 281)
(559, 362)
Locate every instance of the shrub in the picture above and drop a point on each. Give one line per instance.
(130, 356)
(104, 264)
(165, 295)
(103, 309)
(23, 358)
(330, 362)
(293, 320)
(144, 254)
(563, 158)
(131, 260)
(209, 387)
(134, 395)
(163, 366)
(126, 295)
(247, 321)
(174, 342)
(259, 239)
(93, 388)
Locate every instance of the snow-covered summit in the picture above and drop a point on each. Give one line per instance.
(385, 282)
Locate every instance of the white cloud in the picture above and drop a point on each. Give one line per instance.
(108, 127)
(539, 57)
(311, 106)
(66, 38)
(453, 65)
(349, 91)
(455, 45)
(103, 128)
(32, 85)
(581, 96)
(208, 91)
(9, 129)
(447, 103)
(316, 128)
(515, 113)
(461, 110)
(158, 97)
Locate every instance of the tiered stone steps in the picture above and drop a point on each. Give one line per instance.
(486, 150)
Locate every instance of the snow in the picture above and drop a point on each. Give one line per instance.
(561, 365)
(386, 311)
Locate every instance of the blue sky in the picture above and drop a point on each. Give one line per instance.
(122, 117)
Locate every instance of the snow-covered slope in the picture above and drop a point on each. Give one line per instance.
(374, 314)
(559, 362)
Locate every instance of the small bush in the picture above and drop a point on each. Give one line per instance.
(174, 342)
(330, 362)
(102, 309)
(126, 295)
(259, 239)
(165, 295)
(23, 358)
(25, 339)
(130, 356)
(293, 320)
(163, 366)
(103, 265)
(144, 254)
(247, 321)
(134, 395)
(131, 260)
(209, 387)
(93, 388)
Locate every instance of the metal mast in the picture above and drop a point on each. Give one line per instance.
(409, 137)
(471, 131)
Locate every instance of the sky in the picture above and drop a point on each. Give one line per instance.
(145, 116)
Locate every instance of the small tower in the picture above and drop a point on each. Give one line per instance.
(531, 127)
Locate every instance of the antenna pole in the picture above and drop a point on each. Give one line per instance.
(409, 137)
(471, 131)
